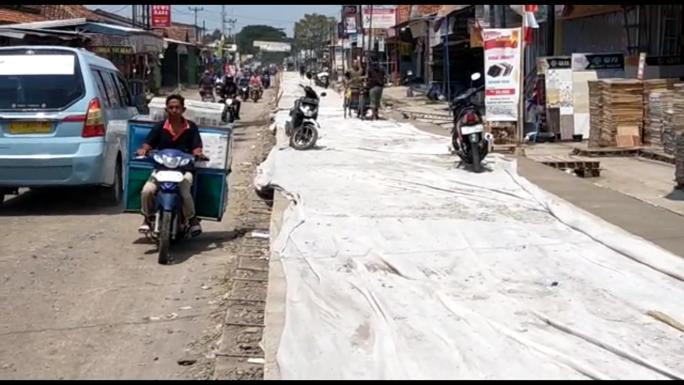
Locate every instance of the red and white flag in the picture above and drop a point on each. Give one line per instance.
(530, 22)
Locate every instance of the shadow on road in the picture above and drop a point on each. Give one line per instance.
(188, 248)
(675, 195)
(58, 201)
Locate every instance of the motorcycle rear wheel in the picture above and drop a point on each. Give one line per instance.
(475, 152)
(164, 238)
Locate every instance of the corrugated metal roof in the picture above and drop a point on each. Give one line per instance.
(49, 24)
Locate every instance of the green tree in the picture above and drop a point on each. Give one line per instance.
(246, 37)
(312, 32)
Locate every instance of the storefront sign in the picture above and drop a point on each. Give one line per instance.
(559, 83)
(664, 60)
(107, 50)
(600, 61)
(161, 16)
(502, 73)
(383, 18)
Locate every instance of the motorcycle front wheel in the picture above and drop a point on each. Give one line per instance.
(164, 236)
(304, 137)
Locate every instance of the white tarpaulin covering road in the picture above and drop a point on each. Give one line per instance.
(401, 266)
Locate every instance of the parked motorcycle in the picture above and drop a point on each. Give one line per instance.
(302, 127)
(169, 166)
(467, 135)
(255, 93)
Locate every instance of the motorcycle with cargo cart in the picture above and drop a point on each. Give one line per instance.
(209, 189)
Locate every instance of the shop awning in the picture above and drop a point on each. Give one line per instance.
(131, 40)
(21, 33)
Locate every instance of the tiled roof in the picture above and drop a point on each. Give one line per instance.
(78, 11)
(8, 16)
(176, 33)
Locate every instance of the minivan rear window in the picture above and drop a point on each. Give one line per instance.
(39, 79)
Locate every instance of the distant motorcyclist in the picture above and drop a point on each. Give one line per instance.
(230, 91)
(206, 84)
(255, 81)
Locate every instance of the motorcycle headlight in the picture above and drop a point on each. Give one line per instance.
(157, 158)
(171, 161)
(184, 162)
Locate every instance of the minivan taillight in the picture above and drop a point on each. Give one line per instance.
(94, 122)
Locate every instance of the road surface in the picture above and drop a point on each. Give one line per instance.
(83, 297)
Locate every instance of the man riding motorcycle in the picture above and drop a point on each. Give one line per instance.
(180, 134)
(255, 82)
(230, 91)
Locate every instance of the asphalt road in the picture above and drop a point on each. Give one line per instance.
(83, 297)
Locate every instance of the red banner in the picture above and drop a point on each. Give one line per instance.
(161, 16)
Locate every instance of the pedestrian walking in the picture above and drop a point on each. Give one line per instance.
(376, 83)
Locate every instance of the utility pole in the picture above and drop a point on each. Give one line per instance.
(195, 10)
(223, 20)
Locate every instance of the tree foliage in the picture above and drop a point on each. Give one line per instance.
(312, 32)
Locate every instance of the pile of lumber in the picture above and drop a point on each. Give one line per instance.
(655, 91)
(595, 112)
(654, 123)
(622, 112)
(674, 122)
(679, 160)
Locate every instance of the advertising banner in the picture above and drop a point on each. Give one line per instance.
(161, 16)
(383, 18)
(502, 49)
(349, 17)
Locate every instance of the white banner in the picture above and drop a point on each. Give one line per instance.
(272, 46)
(502, 73)
(383, 18)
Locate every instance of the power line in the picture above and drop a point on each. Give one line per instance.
(181, 12)
(120, 9)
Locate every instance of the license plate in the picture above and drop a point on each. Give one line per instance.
(30, 127)
(467, 130)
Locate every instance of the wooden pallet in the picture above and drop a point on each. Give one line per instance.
(505, 148)
(606, 151)
(427, 116)
(659, 155)
(585, 168)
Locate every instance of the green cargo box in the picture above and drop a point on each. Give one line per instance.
(210, 188)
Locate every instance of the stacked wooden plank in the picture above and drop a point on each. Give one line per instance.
(595, 112)
(674, 124)
(622, 112)
(658, 104)
(655, 94)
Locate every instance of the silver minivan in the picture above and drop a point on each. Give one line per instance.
(63, 119)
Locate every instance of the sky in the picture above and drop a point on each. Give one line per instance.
(278, 16)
